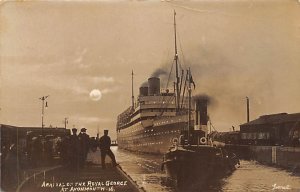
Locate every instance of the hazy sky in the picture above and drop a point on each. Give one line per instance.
(66, 49)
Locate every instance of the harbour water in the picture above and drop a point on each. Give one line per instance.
(145, 170)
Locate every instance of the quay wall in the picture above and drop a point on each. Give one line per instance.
(286, 157)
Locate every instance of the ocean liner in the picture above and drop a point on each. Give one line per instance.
(158, 117)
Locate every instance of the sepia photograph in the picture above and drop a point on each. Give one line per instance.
(150, 96)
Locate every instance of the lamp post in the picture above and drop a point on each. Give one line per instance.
(43, 108)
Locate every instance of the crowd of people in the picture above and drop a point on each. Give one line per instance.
(74, 149)
(70, 151)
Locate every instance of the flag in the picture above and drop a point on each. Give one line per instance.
(192, 81)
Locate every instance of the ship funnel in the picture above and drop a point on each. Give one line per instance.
(144, 91)
(201, 114)
(154, 86)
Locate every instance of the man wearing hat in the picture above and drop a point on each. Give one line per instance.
(105, 143)
(84, 146)
(74, 150)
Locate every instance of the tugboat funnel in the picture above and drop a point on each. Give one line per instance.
(201, 115)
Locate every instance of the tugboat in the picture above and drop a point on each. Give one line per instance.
(194, 159)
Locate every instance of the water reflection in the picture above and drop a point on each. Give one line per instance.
(252, 176)
(145, 169)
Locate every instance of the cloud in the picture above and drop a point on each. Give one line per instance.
(80, 59)
(103, 79)
(80, 55)
(79, 90)
(109, 90)
(94, 119)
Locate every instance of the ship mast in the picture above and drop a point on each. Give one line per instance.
(176, 62)
(132, 96)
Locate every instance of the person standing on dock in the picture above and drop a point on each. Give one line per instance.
(84, 146)
(105, 143)
(74, 150)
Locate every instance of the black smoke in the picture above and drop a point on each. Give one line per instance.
(162, 74)
(159, 72)
(204, 97)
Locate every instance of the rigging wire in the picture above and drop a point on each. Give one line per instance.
(182, 67)
(184, 89)
(170, 75)
(212, 125)
(181, 50)
(166, 60)
(167, 85)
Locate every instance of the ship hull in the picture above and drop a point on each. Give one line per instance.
(154, 139)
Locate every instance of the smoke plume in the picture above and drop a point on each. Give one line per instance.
(162, 74)
(159, 72)
(205, 97)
